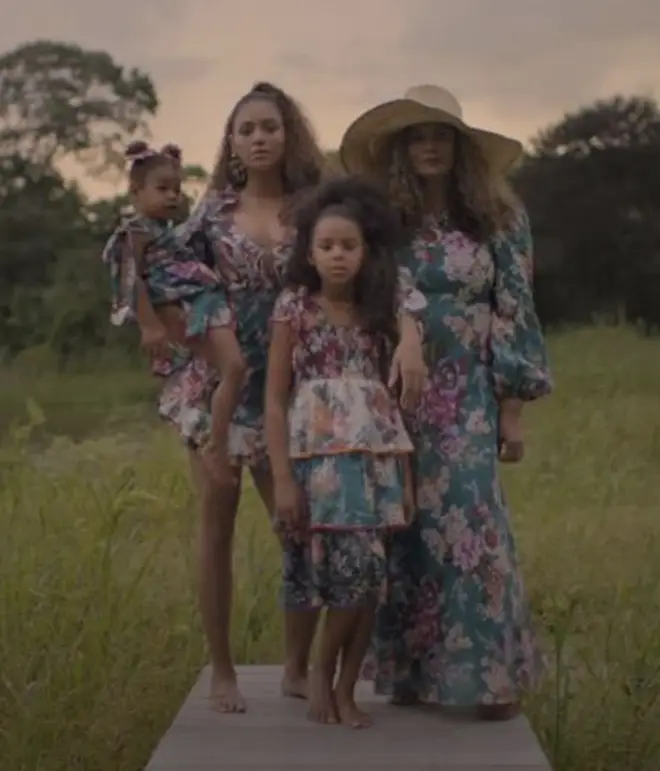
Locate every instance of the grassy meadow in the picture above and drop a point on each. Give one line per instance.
(99, 634)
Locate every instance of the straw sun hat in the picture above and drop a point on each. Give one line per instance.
(420, 104)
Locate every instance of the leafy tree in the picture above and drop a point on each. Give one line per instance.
(591, 183)
(57, 100)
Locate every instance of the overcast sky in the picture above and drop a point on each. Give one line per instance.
(514, 64)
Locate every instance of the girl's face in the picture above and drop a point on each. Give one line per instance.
(337, 249)
(431, 149)
(258, 135)
(159, 195)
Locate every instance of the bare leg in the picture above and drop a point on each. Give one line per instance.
(299, 625)
(221, 350)
(219, 506)
(338, 629)
(351, 664)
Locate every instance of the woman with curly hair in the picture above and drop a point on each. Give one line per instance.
(268, 161)
(456, 627)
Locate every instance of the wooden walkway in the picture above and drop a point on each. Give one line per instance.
(275, 736)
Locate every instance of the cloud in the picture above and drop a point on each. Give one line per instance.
(516, 65)
(517, 62)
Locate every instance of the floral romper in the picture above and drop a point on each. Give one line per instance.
(456, 626)
(173, 272)
(252, 277)
(346, 443)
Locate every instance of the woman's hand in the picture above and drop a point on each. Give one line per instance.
(511, 443)
(288, 503)
(409, 368)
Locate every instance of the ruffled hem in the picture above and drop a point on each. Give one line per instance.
(352, 492)
(330, 416)
(515, 375)
(334, 570)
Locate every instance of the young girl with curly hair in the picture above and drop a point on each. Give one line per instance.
(338, 448)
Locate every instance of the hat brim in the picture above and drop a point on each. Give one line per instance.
(364, 138)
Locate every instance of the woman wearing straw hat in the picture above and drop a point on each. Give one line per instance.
(456, 627)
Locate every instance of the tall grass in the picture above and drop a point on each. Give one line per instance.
(99, 635)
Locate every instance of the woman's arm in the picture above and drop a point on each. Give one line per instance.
(288, 503)
(521, 372)
(408, 361)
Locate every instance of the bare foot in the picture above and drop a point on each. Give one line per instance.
(294, 685)
(322, 707)
(225, 696)
(349, 713)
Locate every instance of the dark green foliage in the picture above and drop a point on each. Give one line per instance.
(591, 184)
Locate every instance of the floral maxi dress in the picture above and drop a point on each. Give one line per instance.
(347, 443)
(456, 627)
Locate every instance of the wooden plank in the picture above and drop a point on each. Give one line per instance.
(275, 734)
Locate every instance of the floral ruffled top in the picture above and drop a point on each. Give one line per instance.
(253, 277)
(339, 402)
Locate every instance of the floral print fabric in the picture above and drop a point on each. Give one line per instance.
(252, 276)
(346, 442)
(455, 626)
(172, 272)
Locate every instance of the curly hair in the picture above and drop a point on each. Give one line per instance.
(304, 161)
(479, 201)
(376, 284)
(143, 159)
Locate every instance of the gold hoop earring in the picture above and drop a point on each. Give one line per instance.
(237, 171)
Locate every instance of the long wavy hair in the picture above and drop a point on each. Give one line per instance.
(376, 285)
(304, 162)
(480, 202)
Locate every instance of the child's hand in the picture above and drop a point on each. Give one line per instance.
(154, 340)
(288, 504)
(511, 445)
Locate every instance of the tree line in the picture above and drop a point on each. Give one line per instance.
(590, 182)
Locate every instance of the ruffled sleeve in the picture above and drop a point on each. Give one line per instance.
(119, 257)
(287, 308)
(519, 354)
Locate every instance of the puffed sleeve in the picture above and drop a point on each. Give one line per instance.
(287, 308)
(118, 255)
(519, 354)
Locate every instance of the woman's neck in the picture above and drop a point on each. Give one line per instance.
(266, 185)
(435, 197)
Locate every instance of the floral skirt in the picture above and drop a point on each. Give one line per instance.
(352, 491)
(354, 500)
(340, 570)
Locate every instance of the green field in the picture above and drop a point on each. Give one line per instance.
(99, 635)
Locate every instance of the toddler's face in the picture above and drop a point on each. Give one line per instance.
(159, 196)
